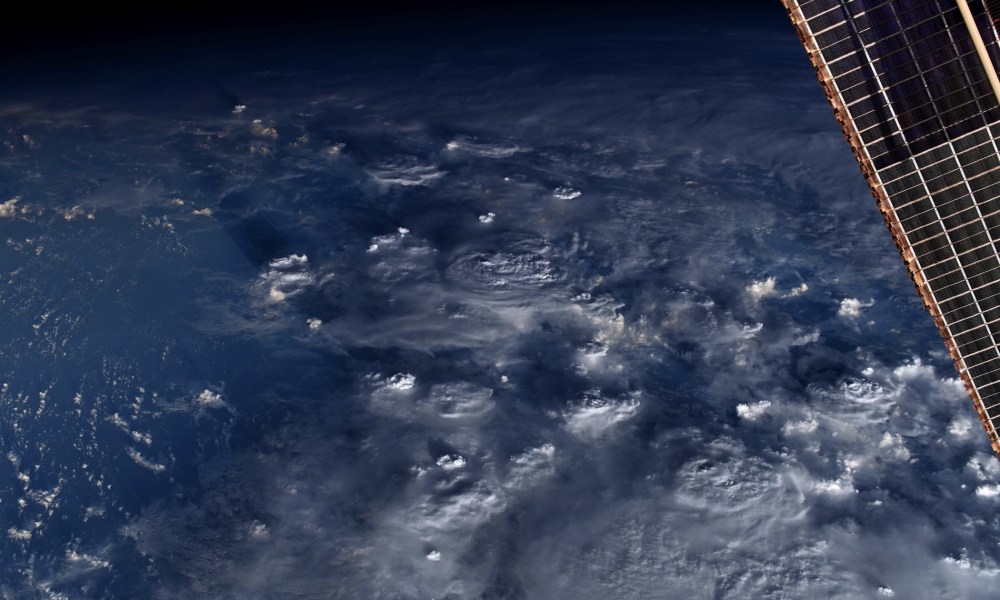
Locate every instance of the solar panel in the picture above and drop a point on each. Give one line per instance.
(913, 84)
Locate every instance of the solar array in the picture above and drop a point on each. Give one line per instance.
(913, 85)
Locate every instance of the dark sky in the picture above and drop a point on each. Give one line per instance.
(63, 49)
(41, 33)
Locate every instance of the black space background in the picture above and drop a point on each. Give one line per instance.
(46, 35)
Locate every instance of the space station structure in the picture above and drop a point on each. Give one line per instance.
(913, 84)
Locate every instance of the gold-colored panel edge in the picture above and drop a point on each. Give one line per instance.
(882, 200)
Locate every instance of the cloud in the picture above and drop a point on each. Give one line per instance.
(797, 290)
(767, 288)
(593, 415)
(464, 145)
(758, 290)
(9, 208)
(259, 129)
(566, 193)
(286, 277)
(405, 171)
(210, 399)
(850, 308)
(460, 400)
(451, 463)
(531, 467)
(752, 412)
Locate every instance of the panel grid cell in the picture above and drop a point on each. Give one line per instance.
(918, 108)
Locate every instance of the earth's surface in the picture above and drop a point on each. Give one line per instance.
(537, 314)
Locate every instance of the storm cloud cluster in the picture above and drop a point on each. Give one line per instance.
(567, 330)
